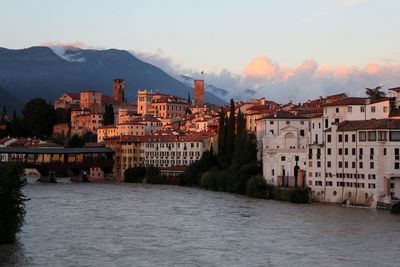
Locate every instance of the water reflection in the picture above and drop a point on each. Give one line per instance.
(142, 225)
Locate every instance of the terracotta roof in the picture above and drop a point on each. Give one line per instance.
(105, 99)
(396, 89)
(145, 119)
(369, 125)
(5, 139)
(198, 136)
(74, 96)
(356, 101)
(281, 114)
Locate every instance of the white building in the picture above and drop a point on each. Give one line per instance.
(282, 139)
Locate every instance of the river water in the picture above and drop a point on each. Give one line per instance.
(100, 224)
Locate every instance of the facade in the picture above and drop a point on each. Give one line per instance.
(91, 100)
(359, 163)
(164, 151)
(282, 142)
(67, 99)
(199, 92)
(84, 121)
(169, 107)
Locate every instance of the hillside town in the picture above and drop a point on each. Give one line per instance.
(344, 149)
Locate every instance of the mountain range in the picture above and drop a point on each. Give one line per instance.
(49, 72)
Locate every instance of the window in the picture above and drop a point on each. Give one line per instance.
(384, 151)
(283, 158)
(349, 109)
(362, 137)
(301, 122)
(326, 123)
(396, 153)
(394, 136)
(353, 151)
(337, 110)
(329, 164)
(385, 109)
(397, 165)
(273, 172)
(340, 151)
(329, 151)
(371, 165)
(340, 165)
(346, 164)
(340, 138)
(372, 136)
(329, 137)
(360, 165)
(301, 132)
(319, 164)
(287, 122)
(271, 122)
(362, 109)
(382, 136)
(346, 151)
(346, 138)
(353, 137)
(353, 164)
(373, 109)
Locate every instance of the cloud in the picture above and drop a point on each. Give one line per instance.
(261, 67)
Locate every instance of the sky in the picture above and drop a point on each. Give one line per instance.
(290, 49)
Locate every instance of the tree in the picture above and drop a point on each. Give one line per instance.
(153, 175)
(12, 201)
(17, 127)
(76, 141)
(108, 118)
(39, 118)
(221, 134)
(375, 93)
(230, 133)
(5, 125)
(63, 115)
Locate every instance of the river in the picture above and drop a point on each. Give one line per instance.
(105, 224)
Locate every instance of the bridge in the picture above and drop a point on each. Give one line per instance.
(47, 160)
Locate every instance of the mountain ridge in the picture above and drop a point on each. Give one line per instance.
(41, 71)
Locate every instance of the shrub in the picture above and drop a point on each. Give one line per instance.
(299, 195)
(12, 202)
(205, 180)
(134, 175)
(256, 187)
(395, 208)
(153, 175)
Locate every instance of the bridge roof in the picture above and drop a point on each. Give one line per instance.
(54, 150)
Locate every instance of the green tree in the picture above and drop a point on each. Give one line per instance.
(134, 175)
(153, 175)
(375, 93)
(12, 201)
(63, 115)
(108, 118)
(230, 133)
(39, 118)
(17, 127)
(5, 123)
(221, 134)
(76, 141)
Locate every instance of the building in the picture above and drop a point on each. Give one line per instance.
(84, 121)
(282, 141)
(67, 100)
(164, 151)
(199, 92)
(119, 90)
(91, 100)
(169, 107)
(358, 164)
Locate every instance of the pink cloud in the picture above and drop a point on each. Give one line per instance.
(261, 68)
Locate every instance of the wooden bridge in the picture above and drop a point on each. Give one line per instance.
(59, 159)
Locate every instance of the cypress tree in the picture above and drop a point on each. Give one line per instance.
(108, 115)
(230, 132)
(221, 132)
